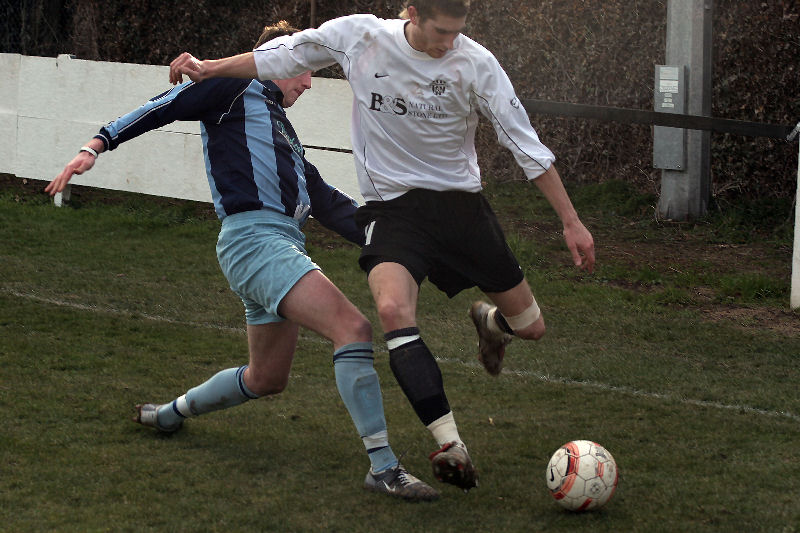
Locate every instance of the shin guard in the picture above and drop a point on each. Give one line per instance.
(359, 387)
(419, 376)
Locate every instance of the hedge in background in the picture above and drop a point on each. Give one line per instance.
(569, 50)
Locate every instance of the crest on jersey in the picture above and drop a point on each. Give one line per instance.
(438, 87)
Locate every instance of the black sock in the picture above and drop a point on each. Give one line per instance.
(418, 375)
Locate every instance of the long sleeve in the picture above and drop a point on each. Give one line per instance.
(188, 101)
(497, 101)
(331, 207)
(312, 49)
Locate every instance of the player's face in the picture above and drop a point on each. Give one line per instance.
(434, 35)
(294, 87)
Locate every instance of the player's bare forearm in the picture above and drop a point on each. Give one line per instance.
(78, 165)
(553, 189)
(240, 66)
(578, 239)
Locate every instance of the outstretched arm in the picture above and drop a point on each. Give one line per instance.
(281, 58)
(79, 164)
(579, 240)
(187, 102)
(241, 66)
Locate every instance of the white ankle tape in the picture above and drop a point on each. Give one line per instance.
(525, 318)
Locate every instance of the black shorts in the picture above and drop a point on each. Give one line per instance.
(452, 237)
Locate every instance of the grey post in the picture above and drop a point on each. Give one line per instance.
(685, 192)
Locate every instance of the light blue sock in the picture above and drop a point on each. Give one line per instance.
(360, 390)
(225, 389)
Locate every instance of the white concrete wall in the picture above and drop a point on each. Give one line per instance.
(50, 107)
(9, 90)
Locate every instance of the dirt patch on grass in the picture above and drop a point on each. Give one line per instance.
(783, 322)
(677, 255)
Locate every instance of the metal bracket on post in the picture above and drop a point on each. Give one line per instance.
(793, 133)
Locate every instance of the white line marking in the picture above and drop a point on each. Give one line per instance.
(112, 311)
(519, 373)
(633, 392)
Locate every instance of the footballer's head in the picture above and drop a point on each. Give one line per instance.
(276, 30)
(291, 88)
(434, 25)
(427, 9)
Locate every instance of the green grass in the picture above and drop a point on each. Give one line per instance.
(682, 362)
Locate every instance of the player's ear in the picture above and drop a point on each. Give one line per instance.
(413, 15)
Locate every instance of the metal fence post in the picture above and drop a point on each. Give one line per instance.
(794, 300)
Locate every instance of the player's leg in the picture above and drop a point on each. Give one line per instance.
(517, 311)
(514, 313)
(395, 292)
(271, 347)
(317, 304)
(477, 254)
(259, 256)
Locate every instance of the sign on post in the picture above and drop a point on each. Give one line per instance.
(669, 144)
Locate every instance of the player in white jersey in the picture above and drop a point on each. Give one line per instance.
(418, 86)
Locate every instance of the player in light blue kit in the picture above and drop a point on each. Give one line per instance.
(264, 190)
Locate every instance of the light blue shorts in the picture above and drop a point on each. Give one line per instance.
(263, 255)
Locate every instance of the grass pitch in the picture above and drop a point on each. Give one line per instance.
(679, 355)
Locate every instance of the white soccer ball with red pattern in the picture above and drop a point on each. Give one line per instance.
(582, 475)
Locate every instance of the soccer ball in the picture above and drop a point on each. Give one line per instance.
(582, 475)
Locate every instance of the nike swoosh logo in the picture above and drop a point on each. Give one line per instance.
(552, 477)
(388, 488)
(377, 75)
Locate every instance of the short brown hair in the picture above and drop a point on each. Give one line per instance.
(276, 30)
(430, 8)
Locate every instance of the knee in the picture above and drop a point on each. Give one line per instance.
(265, 384)
(352, 327)
(534, 332)
(361, 327)
(393, 313)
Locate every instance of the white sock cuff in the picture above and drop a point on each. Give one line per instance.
(182, 406)
(399, 341)
(376, 440)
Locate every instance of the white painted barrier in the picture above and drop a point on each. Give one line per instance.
(49, 107)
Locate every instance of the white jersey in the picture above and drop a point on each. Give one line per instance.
(414, 116)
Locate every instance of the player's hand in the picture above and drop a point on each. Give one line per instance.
(79, 164)
(189, 65)
(581, 245)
